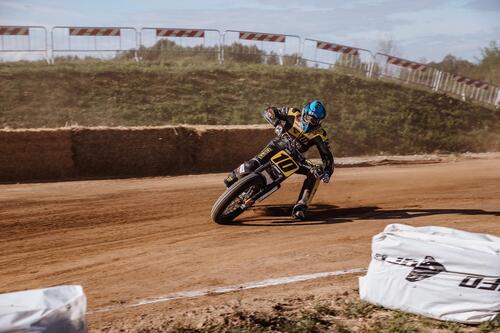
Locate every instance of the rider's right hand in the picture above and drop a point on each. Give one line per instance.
(269, 115)
(270, 110)
(278, 130)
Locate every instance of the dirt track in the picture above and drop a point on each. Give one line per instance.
(126, 240)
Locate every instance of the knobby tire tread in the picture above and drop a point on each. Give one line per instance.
(229, 195)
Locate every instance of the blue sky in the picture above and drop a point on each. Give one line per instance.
(422, 29)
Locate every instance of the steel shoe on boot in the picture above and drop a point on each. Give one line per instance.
(298, 211)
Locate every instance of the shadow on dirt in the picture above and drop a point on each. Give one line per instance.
(279, 215)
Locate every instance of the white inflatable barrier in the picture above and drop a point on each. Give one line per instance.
(56, 309)
(437, 272)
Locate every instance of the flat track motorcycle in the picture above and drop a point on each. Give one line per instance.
(262, 182)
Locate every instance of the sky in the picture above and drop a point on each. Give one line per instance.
(422, 30)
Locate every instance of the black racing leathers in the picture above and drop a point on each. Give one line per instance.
(289, 120)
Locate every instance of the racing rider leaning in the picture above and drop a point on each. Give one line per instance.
(305, 126)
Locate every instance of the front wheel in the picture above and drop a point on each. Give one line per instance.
(230, 203)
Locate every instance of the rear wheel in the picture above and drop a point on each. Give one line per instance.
(229, 205)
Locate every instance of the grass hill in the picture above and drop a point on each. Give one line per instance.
(365, 116)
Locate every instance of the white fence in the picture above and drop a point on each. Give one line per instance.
(407, 71)
(98, 42)
(467, 88)
(33, 43)
(23, 43)
(316, 53)
(260, 47)
(160, 43)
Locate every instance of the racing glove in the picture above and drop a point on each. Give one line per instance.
(278, 130)
(325, 178)
(270, 115)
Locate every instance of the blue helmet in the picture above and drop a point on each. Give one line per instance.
(312, 115)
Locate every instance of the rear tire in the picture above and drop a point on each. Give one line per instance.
(219, 213)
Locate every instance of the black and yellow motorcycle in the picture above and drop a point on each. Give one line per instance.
(262, 182)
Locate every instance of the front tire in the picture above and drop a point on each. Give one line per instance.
(228, 206)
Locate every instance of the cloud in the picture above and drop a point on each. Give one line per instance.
(376, 6)
(435, 47)
(292, 21)
(42, 14)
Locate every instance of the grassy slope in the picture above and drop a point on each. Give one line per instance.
(365, 116)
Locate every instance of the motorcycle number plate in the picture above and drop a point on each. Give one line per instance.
(285, 163)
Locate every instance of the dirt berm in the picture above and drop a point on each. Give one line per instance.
(36, 155)
(103, 152)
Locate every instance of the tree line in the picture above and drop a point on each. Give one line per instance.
(486, 69)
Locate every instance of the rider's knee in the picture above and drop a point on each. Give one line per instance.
(310, 180)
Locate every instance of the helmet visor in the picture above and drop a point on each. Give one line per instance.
(311, 120)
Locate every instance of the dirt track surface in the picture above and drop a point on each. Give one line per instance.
(127, 240)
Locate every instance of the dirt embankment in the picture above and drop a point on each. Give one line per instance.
(120, 152)
(35, 155)
(72, 153)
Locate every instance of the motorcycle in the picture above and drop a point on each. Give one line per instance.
(264, 181)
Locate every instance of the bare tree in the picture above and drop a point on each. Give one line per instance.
(388, 45)
(422, 60)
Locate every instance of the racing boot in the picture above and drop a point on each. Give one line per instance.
(243, 170)
(305, 197)
(298, 211)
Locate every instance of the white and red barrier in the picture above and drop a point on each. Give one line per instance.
(468, 89)
(337, 48)
(318, 53)
(262, 37)
(94, 31)
(391, 67)
(14, 31)
(100, 42)
(28, 42)
(266, 47)
(412, 72)
(192, 41)
(469, 81)
(406, 63)
(161, 32)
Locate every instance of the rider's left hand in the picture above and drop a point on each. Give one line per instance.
(325, 178)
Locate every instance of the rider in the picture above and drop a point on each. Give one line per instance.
(305, 127)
